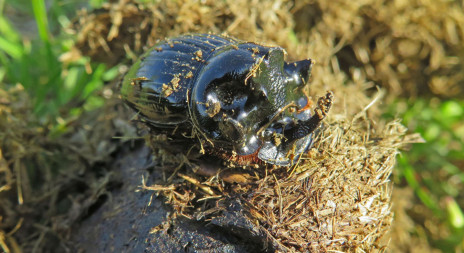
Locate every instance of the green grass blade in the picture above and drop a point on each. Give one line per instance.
(11, 48)
(40, 13)
(8, 31)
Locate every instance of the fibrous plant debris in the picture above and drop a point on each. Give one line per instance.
(406, 47)
(336, 198)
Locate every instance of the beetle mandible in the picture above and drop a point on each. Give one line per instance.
(244, 101)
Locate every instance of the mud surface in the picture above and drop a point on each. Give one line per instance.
(148, 224)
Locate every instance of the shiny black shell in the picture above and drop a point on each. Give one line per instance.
(240, 97)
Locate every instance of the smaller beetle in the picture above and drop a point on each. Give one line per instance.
(242, 99)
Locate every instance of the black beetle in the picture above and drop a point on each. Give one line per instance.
(241, 98)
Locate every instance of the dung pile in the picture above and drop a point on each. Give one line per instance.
(338, 197)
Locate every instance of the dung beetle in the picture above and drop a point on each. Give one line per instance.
(242, 100)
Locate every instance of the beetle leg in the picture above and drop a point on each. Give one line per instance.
(303, 128)
(209, 169)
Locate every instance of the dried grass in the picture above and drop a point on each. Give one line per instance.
(407, 47)
(339, 199)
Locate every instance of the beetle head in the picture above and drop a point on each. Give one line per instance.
(283, 85)
(251, 103)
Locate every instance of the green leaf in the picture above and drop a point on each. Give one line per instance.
(8, 31)
(11, 48)
(40, 13)
(452, 109)
(455, 214)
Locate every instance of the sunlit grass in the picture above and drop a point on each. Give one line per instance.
(55, 88)
(434, 169)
